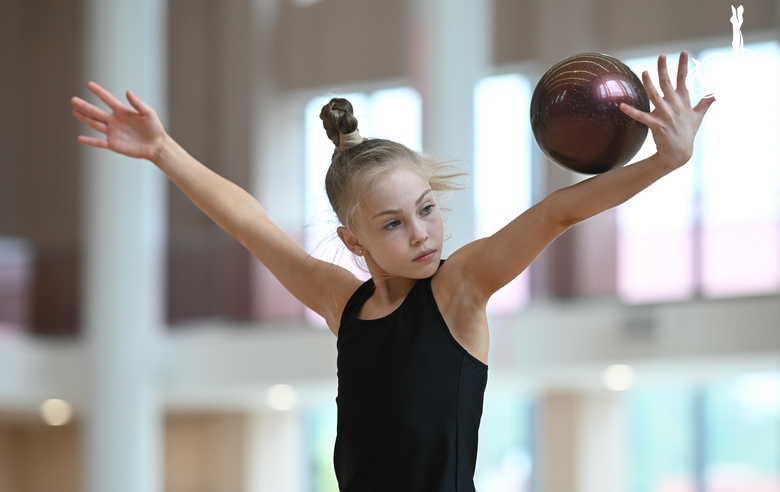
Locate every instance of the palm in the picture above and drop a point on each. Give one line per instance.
(674, 122)
(135, 132)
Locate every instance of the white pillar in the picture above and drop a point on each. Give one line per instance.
(124, 244)
(582, 442)
(449, 52)
(277, 161)
(276, 457)
(602, 456)
(555, 468)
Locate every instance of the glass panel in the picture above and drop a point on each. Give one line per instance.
(321, 437)
(396, 114)
(17, 271)
(502, 168)
(743, 434)
(505, 443)
(662, 440)
(655, 267)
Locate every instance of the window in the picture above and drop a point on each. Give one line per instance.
(712, 227)
(16, 276)
(739, 180)
(662, 439)
(502, 168)
(742, 434)
(655, 241)
(721, 436)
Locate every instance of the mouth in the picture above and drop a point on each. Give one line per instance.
(427, 255)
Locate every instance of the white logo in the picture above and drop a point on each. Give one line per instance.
(721, 75)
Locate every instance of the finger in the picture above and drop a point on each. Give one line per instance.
(652, 92)
(636, 114)
(105, 96)
(663, 76)
(140, 106)
(704, 105)
(92, 123)
(88, 109)
(682, 72)
(93, 142)
(682, 75)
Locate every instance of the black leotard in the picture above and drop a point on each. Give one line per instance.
(409, 400)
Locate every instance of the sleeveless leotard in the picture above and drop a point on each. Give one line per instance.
(409, 400)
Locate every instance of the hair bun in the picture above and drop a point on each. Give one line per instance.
(338, 121)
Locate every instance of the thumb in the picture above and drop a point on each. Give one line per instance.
(140, 106)
(704, 105)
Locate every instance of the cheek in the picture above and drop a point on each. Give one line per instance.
(435, 231)
(438, 224)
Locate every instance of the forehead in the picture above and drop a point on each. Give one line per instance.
(396, 188)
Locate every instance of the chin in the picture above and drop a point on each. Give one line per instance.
(429, 268)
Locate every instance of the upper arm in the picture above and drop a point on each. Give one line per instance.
(323, 287)
(476, 271)
(489, 263)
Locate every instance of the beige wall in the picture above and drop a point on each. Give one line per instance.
(40, 173)
(204, 453)
(36, 458)
(342, 41)
(39, 163)
(211, 48)
(548, 30)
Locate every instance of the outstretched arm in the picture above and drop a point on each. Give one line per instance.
(137, 132)
(490, 263)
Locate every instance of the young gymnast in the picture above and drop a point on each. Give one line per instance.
(412, 340)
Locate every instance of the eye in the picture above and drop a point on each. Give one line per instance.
(427, 209)
(392, 224)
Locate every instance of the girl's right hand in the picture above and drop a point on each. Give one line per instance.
(673, 121)
(134, 132)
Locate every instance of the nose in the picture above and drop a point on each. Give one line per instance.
(419, 233)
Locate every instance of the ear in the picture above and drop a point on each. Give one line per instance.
(350, 241)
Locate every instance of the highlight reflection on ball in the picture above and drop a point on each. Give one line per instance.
(576, 117)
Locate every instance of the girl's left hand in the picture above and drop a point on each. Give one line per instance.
(673, 122)
(132, 131)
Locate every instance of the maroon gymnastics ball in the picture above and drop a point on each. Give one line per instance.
(576, 117)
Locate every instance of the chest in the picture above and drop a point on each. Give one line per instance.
(410, 348)
(372, 309)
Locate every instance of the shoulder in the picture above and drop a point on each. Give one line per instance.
(454, 278)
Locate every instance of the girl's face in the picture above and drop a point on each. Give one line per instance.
(399, 226)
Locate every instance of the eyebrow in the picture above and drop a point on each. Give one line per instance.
(398, 210)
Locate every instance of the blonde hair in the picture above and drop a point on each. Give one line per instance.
(357, 163)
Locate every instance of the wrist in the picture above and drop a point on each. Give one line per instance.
(164, 146)
(670, 163)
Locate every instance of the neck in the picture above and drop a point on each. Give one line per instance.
(389, 288)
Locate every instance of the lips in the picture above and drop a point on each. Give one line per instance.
(427, 255)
